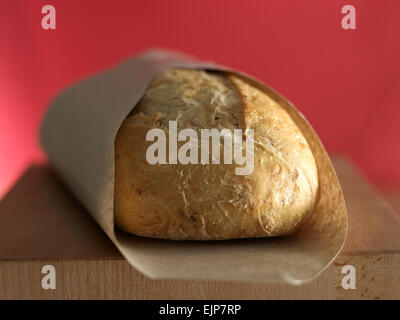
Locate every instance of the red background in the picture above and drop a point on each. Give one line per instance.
(346, 82)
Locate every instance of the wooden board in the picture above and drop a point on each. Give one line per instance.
(41, 224)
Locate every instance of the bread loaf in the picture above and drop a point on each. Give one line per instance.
(211, 201)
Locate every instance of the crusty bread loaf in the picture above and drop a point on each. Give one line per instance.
(209, 201)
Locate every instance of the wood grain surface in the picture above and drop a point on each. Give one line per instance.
(41, 223)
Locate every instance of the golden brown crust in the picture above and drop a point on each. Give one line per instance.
(204, 202)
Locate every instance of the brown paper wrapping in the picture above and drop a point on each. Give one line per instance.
(78, 135)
